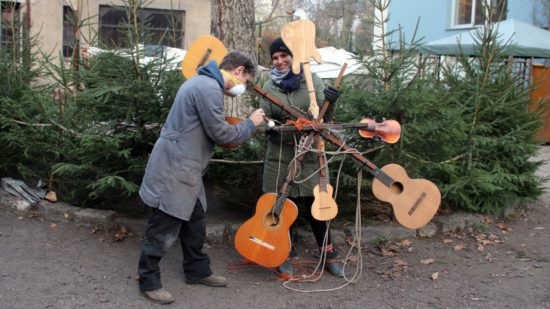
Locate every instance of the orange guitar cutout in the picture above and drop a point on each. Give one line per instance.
(324, 206)
(202, 50)
(299, 37)
(414, 201)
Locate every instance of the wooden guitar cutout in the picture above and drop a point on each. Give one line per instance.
(202, 50)
(324, 206)
(299, 37)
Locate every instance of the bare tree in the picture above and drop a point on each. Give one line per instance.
(234, 24)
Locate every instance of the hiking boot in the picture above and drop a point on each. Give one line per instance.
(334, 268)
(286, 269)
(213, 281)
(161, 296)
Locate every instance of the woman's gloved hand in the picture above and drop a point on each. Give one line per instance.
(331, 94)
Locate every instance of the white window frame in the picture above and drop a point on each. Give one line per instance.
(454, 15)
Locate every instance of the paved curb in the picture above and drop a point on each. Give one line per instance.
(219, 232)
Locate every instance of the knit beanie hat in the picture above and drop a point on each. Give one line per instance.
(278, 46)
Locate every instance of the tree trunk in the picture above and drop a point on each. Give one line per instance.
(234, 25)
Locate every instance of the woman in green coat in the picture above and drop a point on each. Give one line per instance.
(292, 90)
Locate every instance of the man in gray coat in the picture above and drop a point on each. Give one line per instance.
(173, 177)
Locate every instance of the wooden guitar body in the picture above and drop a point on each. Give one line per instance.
(324, 207)
(414, 201)
(299, 37)
(202, 50)
(265, 239)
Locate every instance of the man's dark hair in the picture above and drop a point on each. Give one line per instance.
(236, 59)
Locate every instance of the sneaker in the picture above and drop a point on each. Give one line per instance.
(161, 296)
(334, 268)
(286, 269)
(213, 281)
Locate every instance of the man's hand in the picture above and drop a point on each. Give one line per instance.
(257, 117)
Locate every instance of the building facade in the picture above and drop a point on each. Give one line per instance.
(441, 18)
(57, 23)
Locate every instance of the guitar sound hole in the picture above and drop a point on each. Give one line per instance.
(271, 219)
(396, 188)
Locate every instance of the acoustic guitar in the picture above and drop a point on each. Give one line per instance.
(265, 239)
(202, 50)
(324, 206)
(414, 201)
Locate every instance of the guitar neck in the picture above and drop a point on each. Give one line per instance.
(322, 170)
(371, 168)
(313, 107)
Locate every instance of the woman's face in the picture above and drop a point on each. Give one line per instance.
(282, 61)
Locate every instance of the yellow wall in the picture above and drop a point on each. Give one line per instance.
(47, 19)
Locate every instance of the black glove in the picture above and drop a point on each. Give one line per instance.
(331, 94)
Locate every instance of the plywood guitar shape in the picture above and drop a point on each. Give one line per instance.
(324, 206)
(265, 239)
(414, 201)
(299, 37)
(202, 50)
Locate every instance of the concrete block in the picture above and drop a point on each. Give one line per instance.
(14, 202)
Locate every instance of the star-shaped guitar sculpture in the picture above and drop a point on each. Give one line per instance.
(264, 239)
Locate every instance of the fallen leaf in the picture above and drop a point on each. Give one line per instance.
(386, 252)
(485, 242)
(400, 262)
(447, 241)
(121, 234)
(427, 261)
(53, 225)
(20, 218)
(435, 276)
(353, 258)
(504, 227)
(405, 243)
(480, 248)
(459, 247)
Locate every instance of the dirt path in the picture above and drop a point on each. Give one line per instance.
(499, 265)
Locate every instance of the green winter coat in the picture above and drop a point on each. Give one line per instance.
(272, 166)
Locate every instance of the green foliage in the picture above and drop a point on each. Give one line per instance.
(90, 126)
(467, 127)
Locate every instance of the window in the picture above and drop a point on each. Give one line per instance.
(162, 27)
(10, 25)
(69, 27)
(469, 13)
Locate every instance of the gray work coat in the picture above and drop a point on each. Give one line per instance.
(173, 176)
(280, 146)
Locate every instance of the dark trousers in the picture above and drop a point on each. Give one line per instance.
(319, 228)
(162, 230)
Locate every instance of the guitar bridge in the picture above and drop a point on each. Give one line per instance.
(261, 242)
